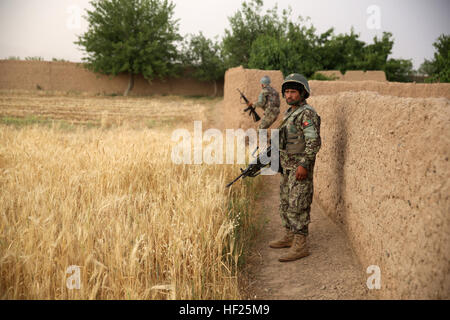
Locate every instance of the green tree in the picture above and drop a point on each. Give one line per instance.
(439, 68)
(340, 52)
(302, 51)
(132, 36)
(376, 54)
(327, 51)
(269, 53)
(34, 58)
(427, 68)
(246, 26)
(399, 70)
(270, 41)
(294, 51)
(204, 57)
(59, 60)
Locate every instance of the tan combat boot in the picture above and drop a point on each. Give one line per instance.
(285, 242)
(298, 250)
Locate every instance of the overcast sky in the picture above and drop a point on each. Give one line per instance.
(48, 28)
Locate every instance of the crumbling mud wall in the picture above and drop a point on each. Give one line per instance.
(397, 89)
(383, 175)
(67, 76)
(332, 74)
(358, 75)
(248, 82)
(355, 75)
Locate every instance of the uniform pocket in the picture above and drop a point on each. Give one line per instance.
(300, 193)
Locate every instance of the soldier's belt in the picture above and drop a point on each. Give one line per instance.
(295, 147)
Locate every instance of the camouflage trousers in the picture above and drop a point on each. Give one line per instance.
(270, 115)
(295, 202)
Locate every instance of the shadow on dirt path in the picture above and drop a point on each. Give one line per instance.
(331, 271)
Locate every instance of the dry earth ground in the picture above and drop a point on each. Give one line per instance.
(331, 271)
(104, 111)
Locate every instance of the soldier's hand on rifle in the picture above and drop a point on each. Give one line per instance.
(301, 173)
(249, 104)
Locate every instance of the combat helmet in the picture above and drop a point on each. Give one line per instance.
(296, 81)
(265, 80)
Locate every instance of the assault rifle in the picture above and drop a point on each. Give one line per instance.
(253, 113)
(254, 168)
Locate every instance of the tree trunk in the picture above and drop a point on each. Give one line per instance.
(130, 85)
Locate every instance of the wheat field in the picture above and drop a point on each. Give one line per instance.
(109, 200)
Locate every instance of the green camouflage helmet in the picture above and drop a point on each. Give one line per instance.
(296, 81)
(265, 80)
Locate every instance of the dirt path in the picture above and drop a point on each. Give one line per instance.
(330, 272)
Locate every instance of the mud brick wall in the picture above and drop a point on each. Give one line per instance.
(358, 75)
(67, 76)
(383, 173)
(397, 89)
(355, 75)
(248, 81)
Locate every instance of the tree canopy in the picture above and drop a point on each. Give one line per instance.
(204, 57)
(141, 37)
(246, 26)
(132, 36)
(273, 41)
(438, 69)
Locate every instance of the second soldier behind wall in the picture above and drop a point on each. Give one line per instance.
(269, 101)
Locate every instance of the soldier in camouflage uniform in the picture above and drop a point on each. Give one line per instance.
(269, 101)
(299, 143)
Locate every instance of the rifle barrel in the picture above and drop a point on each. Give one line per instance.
(228, 185)
(243, 96)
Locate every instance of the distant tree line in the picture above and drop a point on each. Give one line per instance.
(270, 41)
(142, 37)
(36, 58)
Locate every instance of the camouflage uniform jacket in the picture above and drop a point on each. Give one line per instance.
(269, 101)
(300, 138)
(268, 98)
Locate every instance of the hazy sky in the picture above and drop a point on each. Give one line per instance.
(48, 28)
